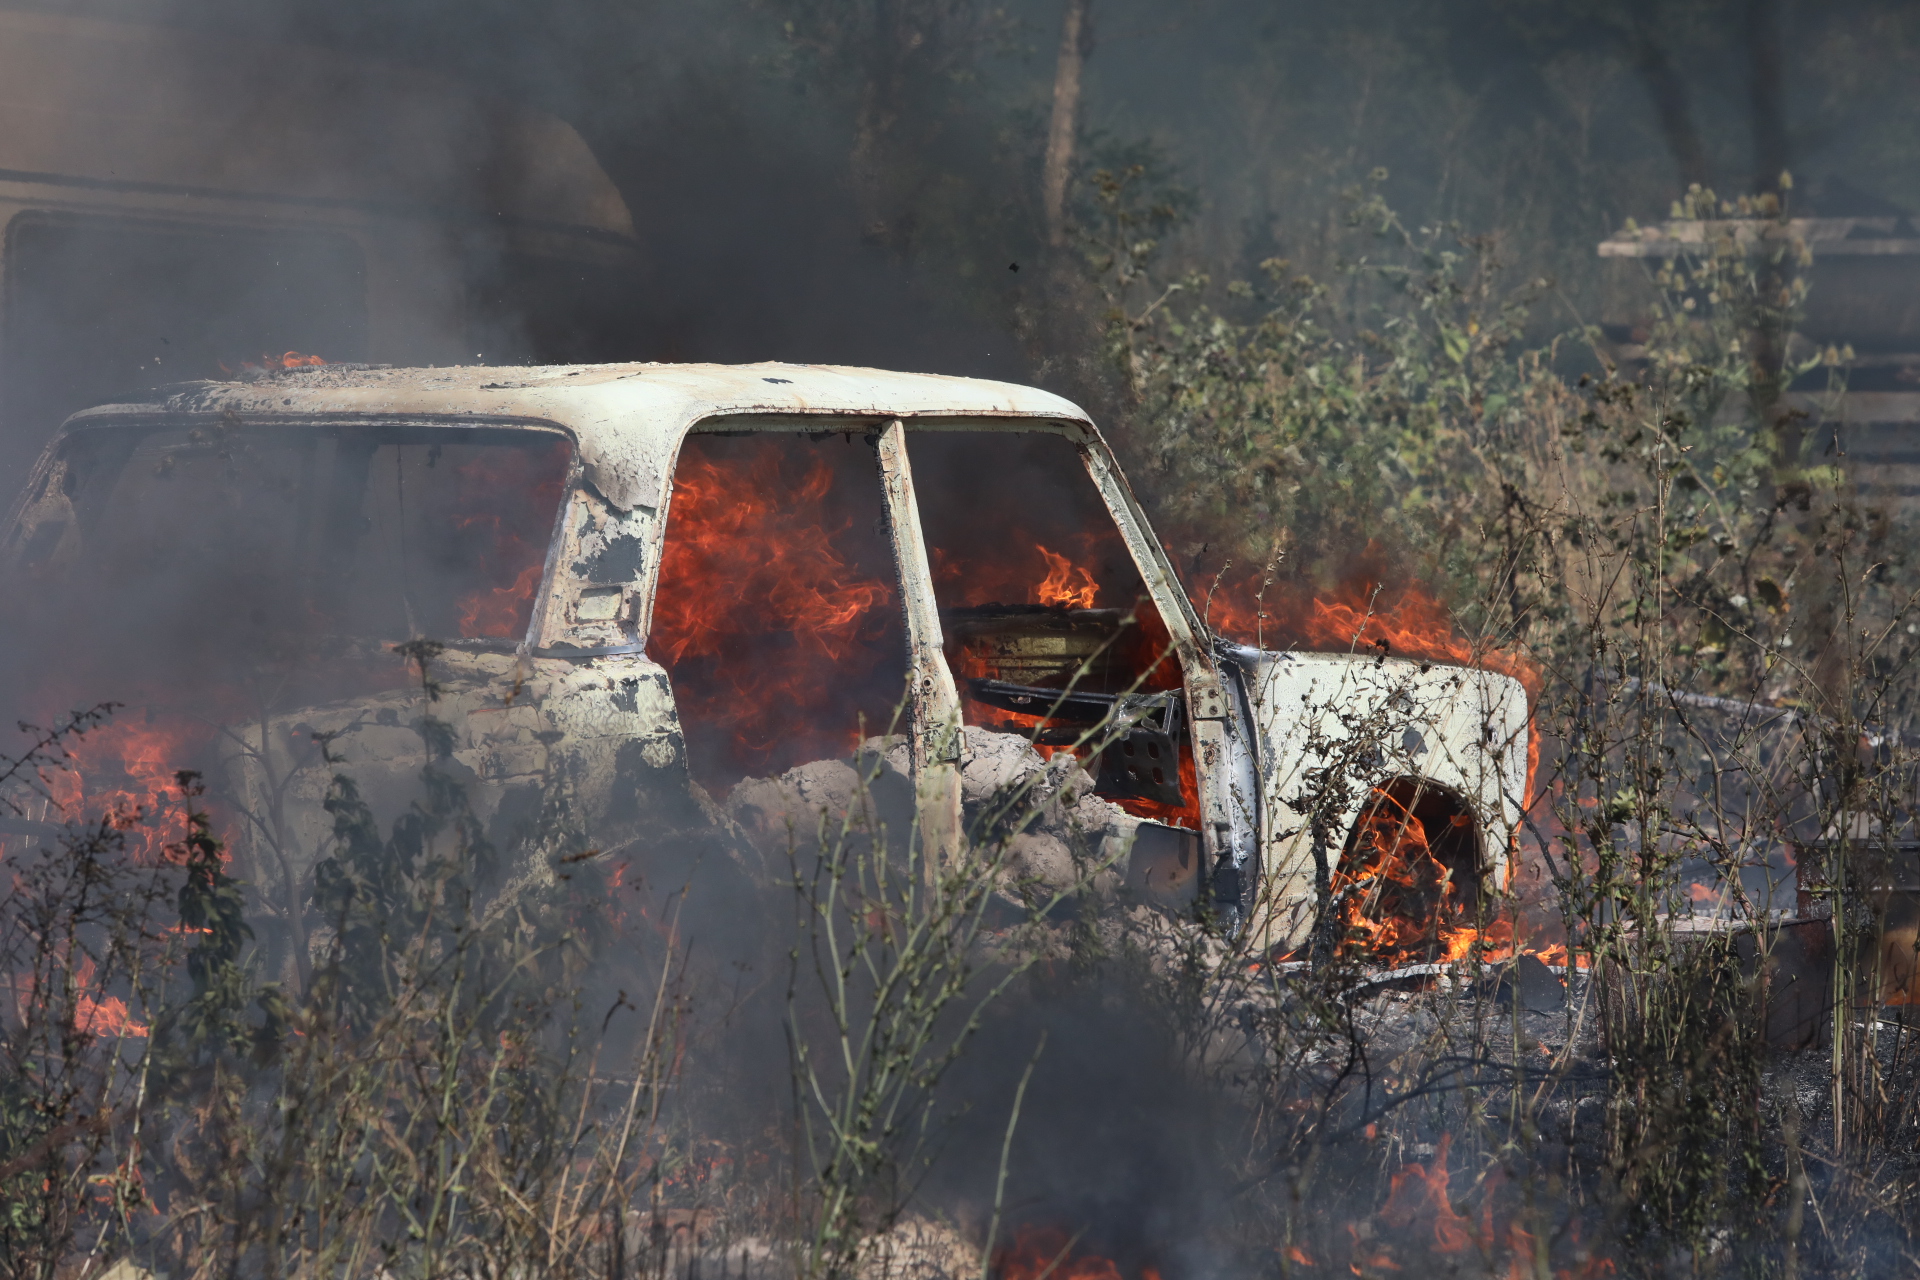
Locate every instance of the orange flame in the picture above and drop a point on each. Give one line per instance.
(1049, 1252)
(127, 768)
(1396, 898)
(1419, 1195)
(502, 506)
(1555, 953)
(1420, 1191)
(1064, 581)
(1399, 903)
(285, 360)
(500, 611)
(1066, 584)
(754, 586)
(1365, 617)
(100, 1015)
(1013, 573)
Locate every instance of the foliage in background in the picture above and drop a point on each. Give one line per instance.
(1371, 408)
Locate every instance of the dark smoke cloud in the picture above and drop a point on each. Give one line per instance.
(731, 140)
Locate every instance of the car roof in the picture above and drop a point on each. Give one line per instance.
(628, 418)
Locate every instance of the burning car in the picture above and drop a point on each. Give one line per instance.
(651, 596)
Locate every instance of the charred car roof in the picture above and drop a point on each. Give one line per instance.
(628, 418)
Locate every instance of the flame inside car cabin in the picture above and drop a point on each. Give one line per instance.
(1062, 640)
(434, 533)
(1067, 585)
(501, 513)
(765, 611)
(778, 613)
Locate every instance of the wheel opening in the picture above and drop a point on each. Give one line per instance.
(1407, 889)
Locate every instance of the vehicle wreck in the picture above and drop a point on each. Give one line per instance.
(670, 601)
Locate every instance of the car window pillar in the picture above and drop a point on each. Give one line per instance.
(936, 743)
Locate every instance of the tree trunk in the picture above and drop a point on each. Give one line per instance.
(872, 159)
(1671, 104)
(1076, 42)
(1766, 89)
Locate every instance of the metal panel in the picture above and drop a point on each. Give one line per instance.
(935, 747)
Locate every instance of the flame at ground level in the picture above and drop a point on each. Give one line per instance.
(128, 769)
(97, 1014)
(285, 360)
(1052, 1253)
(1422, 1215)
